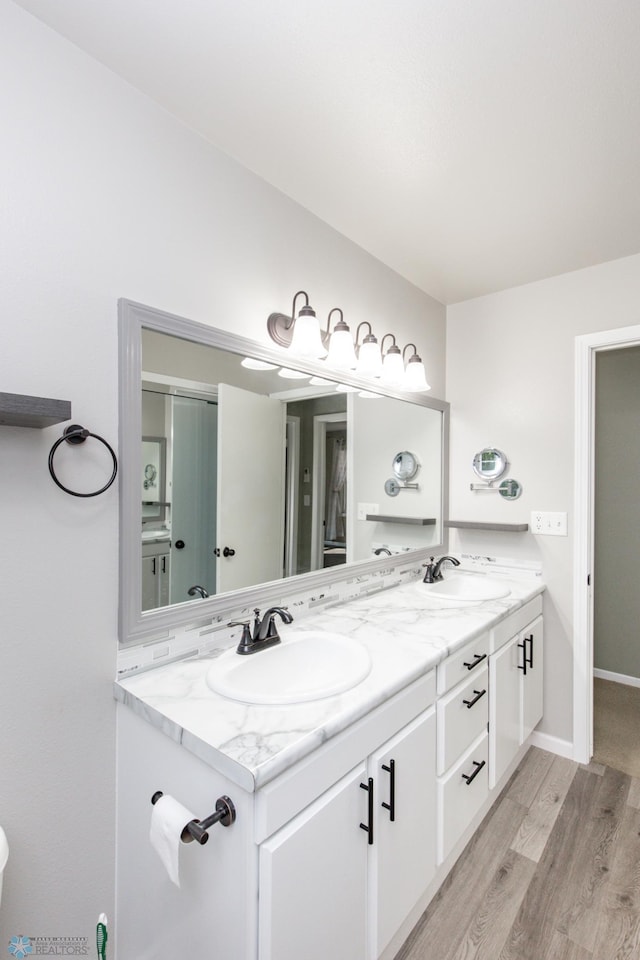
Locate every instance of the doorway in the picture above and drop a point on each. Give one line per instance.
(587, 350)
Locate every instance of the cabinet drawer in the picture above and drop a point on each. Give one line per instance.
(513, 624)
(461, 793)
(472, 657)
(463, 714)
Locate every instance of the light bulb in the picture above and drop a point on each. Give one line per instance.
(306, 340)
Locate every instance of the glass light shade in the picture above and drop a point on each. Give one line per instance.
(342, 354)
(292, 374)
(369, 358)
(306, 340)
(392, 367)
(415, 378)
(251, 364)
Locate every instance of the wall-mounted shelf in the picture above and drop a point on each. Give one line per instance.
(503, 527)
(19, 410)
(416, 521)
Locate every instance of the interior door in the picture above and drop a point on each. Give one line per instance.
(251, 475)
(193, 497)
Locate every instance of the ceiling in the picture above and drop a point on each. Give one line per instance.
(471, 145)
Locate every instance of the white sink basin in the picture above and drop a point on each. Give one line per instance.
(309, 666)
(465, 588)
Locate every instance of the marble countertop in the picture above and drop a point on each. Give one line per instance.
(406, 632)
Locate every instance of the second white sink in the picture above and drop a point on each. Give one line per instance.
(466, 588)
(310, 666)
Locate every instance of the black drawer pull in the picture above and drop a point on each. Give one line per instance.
(523, 666)
(478, 658)
(478, 694)
(369, 826)
(470, 777)
(391, 806)
(529, 640)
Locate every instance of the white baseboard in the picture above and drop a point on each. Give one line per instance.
(563, 748)
(617, 677)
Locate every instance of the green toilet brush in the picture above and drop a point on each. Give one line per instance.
(101, 936)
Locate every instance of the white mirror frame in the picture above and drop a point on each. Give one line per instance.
(136, 626)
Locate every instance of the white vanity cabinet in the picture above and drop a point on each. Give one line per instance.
(340, 878)
(156, 560)
(516, 677)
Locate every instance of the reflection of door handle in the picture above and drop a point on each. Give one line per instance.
(228, 552)
(179, 544)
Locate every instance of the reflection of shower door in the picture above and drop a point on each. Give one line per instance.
(193, 496)
(324, 551)
(251, 457)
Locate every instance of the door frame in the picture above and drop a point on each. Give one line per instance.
(292, 432)
(585, 386)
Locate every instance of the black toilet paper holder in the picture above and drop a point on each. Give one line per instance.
(225, 813)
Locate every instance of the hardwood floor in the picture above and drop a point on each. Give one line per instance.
(553, 873)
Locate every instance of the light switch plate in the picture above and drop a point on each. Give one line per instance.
(548, 524)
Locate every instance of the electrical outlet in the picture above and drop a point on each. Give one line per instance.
(548, 524)
(365, 508)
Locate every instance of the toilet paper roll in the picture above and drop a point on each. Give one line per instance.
(168, 820)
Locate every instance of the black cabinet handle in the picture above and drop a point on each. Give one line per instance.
(228, 552)
(179, 544)
(477, 658)
(391, 806)
(153, 566)
(478, 695)
(164, 564)
(369, 826)
(529, 640)
(470, 777)
(523, 666)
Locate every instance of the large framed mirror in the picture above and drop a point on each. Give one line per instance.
(258, 481)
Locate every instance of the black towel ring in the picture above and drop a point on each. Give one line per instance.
(77, 434)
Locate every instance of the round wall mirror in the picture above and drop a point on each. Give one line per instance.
(489, 464)
(510, 489)
(405, 465)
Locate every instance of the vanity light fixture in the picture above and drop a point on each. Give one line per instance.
(369, 356)
(342, 354)
(300, 334)
(415, 378)
(392, 363)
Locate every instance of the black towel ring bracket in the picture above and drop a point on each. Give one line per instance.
(76, 434)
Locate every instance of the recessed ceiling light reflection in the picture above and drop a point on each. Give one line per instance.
(252, 364)
(369, 395)
(343, 388)
(321, 382)
(292, 374)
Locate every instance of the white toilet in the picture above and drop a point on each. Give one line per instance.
(4, 856)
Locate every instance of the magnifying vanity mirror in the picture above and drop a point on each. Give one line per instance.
(489, 463)
(238, 481)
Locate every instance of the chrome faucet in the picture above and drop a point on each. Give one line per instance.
(433, 572)
(197, 590)
(265, 633)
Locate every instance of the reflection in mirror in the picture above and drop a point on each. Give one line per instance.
(252, 477)
(489, 463)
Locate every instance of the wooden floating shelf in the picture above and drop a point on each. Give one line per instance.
(19, 410)
(416, 521)
(502, 527)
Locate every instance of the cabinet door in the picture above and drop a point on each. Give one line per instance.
(403, 855)
(532, 704)
(313, 879)
(505, 679)
(150, 581)
(461, 793)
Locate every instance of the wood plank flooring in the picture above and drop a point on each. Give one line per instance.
(553, 873)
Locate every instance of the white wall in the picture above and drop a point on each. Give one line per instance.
(103, 196)
(510, 382)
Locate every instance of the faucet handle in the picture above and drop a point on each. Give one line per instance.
(245, 639)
